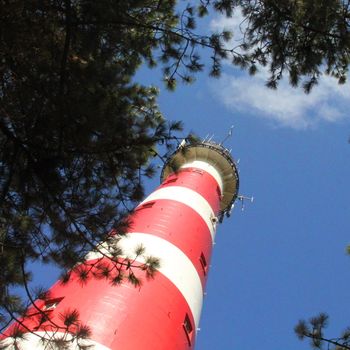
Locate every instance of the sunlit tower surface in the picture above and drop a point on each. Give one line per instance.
(176, 223)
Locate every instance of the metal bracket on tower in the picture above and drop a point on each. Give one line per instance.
(228, 211)
(182, 144)
(229, 134)
(244, 198)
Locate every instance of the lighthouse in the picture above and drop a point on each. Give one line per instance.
(176, 224)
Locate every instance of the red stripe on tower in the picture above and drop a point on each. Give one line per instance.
(176, 223)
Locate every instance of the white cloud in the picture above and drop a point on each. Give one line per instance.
(286, 106)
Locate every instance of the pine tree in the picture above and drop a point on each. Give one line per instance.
(301, 39)
(314, 329)
(77, 133)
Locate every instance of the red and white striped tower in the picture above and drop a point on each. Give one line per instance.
(175, 223)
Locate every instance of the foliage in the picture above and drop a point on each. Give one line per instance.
(301, 38)
(314, 330)
(77, 133)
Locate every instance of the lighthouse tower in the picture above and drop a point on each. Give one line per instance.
(176, 223)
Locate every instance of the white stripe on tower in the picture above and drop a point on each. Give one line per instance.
(35, 341)
(187, 197)
(174, 265)
(209, 168)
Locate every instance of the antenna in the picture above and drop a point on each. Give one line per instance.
(182, 144)
(244, 198)
(210, 138)
(229, 134)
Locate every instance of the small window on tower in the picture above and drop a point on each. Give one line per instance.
(203, 262)
(51, 304)
(188, 328)
(172, 179)
(218, 191)
(146, 205)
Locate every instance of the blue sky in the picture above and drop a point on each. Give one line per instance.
(282, 258)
